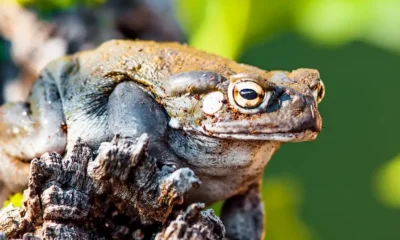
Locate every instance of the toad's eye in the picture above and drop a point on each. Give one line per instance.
(319, 92)
(249, 97)
(248, 94)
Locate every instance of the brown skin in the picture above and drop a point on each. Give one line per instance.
(186, 100)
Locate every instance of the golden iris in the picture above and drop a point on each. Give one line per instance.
(248, 94)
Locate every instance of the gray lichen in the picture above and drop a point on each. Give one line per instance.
(118, 193)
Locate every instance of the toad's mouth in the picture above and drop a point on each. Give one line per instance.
(304, 128)
(306, 131)
(307, 135)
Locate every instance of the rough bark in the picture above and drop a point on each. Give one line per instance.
(118, 192)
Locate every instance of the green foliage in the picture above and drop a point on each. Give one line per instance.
(15, 200)
(227, 27)
(332, 22)
(340, 21)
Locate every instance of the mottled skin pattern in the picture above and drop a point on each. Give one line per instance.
(131, 87)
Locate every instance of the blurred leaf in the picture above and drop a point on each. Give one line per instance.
(218, 26)
(384, 24)
(15, 200)
(190, 14)
(332, 21)
(387, 183)
(282, 202)
(226, 27)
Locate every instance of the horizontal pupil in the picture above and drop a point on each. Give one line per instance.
(248, 94)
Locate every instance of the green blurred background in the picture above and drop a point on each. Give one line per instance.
(346, 184)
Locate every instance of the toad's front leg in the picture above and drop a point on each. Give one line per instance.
(133, 112)
(27, 130)
(243, 215)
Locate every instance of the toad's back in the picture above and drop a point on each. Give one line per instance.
(148, 62)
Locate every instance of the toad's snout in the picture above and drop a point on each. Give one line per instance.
(303, 110)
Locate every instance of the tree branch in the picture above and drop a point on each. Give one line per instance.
(121, 193)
